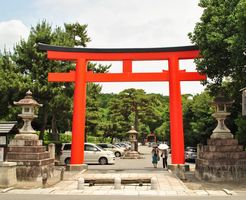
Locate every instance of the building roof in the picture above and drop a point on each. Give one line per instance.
(8, 126)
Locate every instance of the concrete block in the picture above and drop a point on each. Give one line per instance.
(76, 167)
(154, 185)
(7, 174)
(117, 183)
(81, 184)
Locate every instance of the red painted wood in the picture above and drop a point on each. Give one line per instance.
(78, 126)
(176, 118)
(56, 55)
(127, 66)
(125, 77)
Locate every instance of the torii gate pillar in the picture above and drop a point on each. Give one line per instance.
(176, 119)
(79, 110)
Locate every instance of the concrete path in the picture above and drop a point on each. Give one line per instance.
(167, 185)
(167, 182)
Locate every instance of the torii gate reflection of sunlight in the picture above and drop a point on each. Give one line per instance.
(81, 76)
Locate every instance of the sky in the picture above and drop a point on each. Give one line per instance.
(112, 24)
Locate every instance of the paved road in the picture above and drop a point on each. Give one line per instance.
(135, 164)
(125, 164)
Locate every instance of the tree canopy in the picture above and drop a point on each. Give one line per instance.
(221, 37)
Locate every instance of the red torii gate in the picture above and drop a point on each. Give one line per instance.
(81, 76)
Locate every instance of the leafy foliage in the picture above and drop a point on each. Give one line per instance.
(221, 37)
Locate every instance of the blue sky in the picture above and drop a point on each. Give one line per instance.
(112, 23)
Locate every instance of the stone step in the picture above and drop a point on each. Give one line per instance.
(226, 148)
(219, 142)
(221, 173)
(42, 162)
(27, 156)
(220, 162)
(27, 149)
(222, 155)
(18, 142)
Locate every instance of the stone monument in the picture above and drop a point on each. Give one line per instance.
(33, 161)
(222, 159)
(132, 153)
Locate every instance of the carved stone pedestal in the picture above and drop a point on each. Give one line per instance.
(33, 161)
(221, 160)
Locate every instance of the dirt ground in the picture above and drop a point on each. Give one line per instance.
(194, 184)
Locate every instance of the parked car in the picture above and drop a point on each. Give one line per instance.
(118, 152)
(124, 145)
(92, 154)
(121, 147)
(190, 153)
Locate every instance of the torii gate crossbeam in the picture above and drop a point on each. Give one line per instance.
(81, 76)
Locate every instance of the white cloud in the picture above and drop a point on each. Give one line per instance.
(11, 32)
(128, 23)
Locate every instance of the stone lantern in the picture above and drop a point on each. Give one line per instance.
(133, 138)
(28, 105)
(222, 159)
(33, 161)
(221, 131)
(133, 152)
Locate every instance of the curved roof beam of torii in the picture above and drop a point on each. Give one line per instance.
(47, 47)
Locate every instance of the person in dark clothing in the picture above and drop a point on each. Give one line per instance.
(155, 156)
(164, 156)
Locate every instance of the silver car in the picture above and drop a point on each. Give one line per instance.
(118, 152)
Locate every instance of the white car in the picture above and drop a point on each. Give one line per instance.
(92, 154)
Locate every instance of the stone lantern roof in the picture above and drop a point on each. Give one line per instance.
(28, 100)
(132, 131)
(222, 100)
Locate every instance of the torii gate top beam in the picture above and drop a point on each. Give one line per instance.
(127, 55)
(95, 54)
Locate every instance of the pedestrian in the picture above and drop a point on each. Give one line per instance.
(155, 156)
(164, 156)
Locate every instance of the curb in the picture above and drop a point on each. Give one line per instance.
(7, 189)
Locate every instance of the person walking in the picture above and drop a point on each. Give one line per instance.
(164, 156)
(155, 156)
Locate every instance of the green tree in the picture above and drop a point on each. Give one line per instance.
(92, 109)
(199, 122)
(55, 97)
(134, 107)
(12, 85)
(221, 38)
(34, 64)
